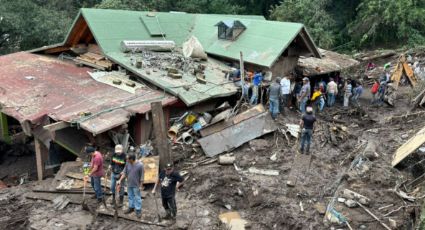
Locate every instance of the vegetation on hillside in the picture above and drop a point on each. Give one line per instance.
(334, 24)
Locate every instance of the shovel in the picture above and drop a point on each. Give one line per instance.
(157, 210)
(84, 205)
(117, 191)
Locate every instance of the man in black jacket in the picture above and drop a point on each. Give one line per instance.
(169, 181)
(117, 166)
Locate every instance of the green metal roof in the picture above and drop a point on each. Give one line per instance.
(262, 44)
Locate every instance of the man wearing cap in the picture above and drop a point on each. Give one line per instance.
(274, 95)
(96, 172)
(117, 167)
(306, 124)
(169, 181)
(304, 94)
(134, 172)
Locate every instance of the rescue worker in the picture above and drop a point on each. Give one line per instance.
(285, 91)
(306, 125)
(274, 95)
(318, 99)
(96, 172)
(169, 180)
(256, 82)
(304, 94)
(332, 90)
(348, 91)
(117, 167)
(134, 172)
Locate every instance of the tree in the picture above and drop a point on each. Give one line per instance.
(314, 14)
(28, 24)
(387, 22)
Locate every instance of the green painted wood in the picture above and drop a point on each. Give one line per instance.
(4, 129)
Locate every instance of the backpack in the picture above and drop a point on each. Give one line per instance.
(375, 88)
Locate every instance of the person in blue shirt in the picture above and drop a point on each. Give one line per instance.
(256, 82)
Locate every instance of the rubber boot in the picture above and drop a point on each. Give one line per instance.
(113, 200)
(139, 214)
(168, 214)
(308, 149)
(129, 210)
(121, 202)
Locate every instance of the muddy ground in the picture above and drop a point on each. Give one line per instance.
(265, 202)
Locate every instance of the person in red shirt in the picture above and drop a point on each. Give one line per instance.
(96, 172)
(374, 90)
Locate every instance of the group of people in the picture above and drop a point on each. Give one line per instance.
(327, 93)
(127, 171)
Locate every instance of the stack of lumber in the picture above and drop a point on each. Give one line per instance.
(94, 60)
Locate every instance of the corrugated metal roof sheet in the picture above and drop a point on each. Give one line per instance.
(262, 42)
(35, 86)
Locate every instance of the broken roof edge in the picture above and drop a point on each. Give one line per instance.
(285, 47)
(65, 39)
(316, 50)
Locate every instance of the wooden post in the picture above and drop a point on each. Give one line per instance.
(160, 131)
(4, 129)
(242, 69)
(41, 153)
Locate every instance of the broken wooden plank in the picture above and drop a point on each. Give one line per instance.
(56, 126)
(213, 128)
(151, 166)
(374, 216)
(266, 172)
(248, 114)
(231, 137)
(120, 215)
(408, 147)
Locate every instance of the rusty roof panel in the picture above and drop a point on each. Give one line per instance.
(34, 86)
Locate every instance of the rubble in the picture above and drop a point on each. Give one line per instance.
(347, 180)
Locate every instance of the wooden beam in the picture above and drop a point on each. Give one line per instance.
(78, 31)
(57, 50)
(160, 132)
(41, 153)
(409, 147)
(308, 42)
(56, 126)
(4, 129)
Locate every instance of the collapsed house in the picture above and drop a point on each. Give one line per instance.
(97, 85)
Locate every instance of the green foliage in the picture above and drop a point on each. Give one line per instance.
(336, 24)
(389, 22)
(358, 23)
(314, 14)
(30, 24)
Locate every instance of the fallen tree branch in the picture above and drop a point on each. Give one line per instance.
(374, 217)
(398, 209)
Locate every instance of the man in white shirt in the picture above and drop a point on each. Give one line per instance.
(285, 90)
(332, 90)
